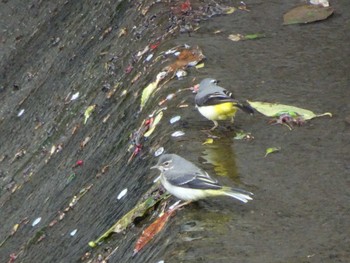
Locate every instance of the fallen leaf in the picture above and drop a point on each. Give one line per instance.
(275, 110)
(122, 32)
(307, 14)
(153, 229)
(208, 141)
(230, 10)
(201, 65)
(272, 150)
(88, 112)
(14, 229)
(242, 135)
(147, 92)
(187, 57)
(138, 211)
(152, 127)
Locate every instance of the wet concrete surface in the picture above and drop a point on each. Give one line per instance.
(51, 50)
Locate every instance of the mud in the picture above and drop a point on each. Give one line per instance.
(53, 49)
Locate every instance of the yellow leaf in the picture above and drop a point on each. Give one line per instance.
(147, 92)
(208, 141)
(230, 10)
(14, 229)
(88, 112)
(201, 65)
(154, 124)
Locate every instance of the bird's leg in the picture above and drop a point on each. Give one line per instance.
(216, 124)
(182, 204)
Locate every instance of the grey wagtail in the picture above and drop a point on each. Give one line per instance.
(216, 103)
(188, 182)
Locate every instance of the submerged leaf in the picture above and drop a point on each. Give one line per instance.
(152, 230)
(275, 110)
(272, 150)
(229, 10)
(208, 141)
(307, 14)
(88, 112)
(242, 135)
(147, 92)
(201, 65)
(138, 211)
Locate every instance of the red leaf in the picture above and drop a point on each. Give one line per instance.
(152, 230)
(186, 6)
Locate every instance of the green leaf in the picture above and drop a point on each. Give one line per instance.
(253, 36)
(275, 110)
(139, 210)
(306, 14)
(272, 150)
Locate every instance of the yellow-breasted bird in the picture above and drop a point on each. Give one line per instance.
(216, 103)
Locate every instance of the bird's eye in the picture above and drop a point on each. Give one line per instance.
(166, 163)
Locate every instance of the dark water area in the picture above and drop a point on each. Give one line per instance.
(51, 50)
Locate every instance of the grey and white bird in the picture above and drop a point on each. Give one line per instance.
(188, 182)
(216, 103)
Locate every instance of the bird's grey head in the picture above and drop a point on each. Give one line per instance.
(165, 162)
(206, 83)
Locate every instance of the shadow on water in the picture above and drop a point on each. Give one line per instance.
(53, 49)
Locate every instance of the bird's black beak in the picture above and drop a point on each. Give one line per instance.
(154, 167)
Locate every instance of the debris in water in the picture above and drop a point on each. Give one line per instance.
(122, 193)
(75, 96)
(88, 112)
(175, 119)
(36, 221)
(78, 163)
(159, 151)
(73, 232)
(208, 141)
(323, 3)
(180, 74)
(177, 134)
(306, 14)
(272, 150)
(20, 113)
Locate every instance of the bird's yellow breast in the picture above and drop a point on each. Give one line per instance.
(225, 110)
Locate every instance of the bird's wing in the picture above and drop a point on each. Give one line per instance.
(196, 180)
(213, 99)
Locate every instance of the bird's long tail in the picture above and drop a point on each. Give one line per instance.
(246, 108)
(239, 194)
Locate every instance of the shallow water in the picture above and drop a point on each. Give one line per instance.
(53, 49)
